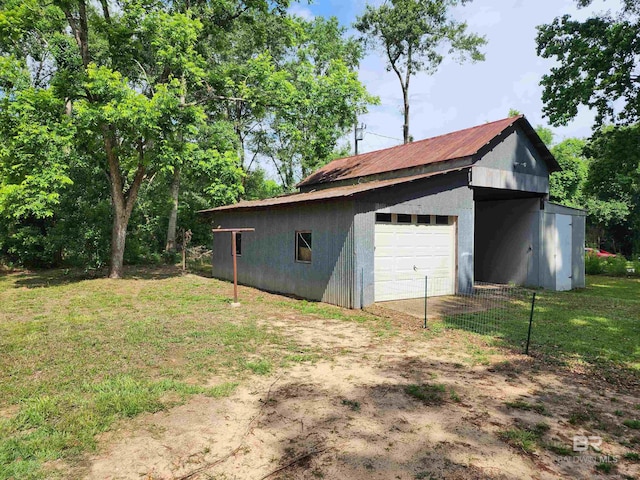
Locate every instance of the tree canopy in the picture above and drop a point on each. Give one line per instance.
(134, 112)
(597, 65)
(415, 36)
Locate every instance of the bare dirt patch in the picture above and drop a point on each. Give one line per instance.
(348, 415)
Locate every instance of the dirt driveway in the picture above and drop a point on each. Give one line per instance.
(358, 412)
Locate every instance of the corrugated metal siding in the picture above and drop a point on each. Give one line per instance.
(364, 224)
(268, 254)
(340, 288)
(512, 164)
(507, 241)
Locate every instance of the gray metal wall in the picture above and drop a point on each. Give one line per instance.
(446, 194)
(512, 164)
(268, 254)
(548, 252)
(507, 241)
(515, 241)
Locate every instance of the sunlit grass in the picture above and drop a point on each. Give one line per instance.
(598, 325)
(79, 355)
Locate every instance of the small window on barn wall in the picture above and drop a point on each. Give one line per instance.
(238, 244)
(303, 246)
(442, 220)
(383, 217)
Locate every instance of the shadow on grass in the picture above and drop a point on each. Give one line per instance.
(590, 330)
(66, 276)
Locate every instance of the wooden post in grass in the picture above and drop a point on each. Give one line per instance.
(234, 253)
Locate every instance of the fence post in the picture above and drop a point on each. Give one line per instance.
(426, 284)
(361, 288)
(533, 303)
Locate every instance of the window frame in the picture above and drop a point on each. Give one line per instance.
(429, 220)
(384, 221)
(404, 216)
(310, 247)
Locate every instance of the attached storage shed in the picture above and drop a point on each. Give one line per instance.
(458, 208)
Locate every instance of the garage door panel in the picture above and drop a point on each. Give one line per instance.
(405, 254)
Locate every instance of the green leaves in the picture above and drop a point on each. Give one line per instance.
(413, 34)
(34, 156)
(597, 62)
(566, 186)
(173, 38)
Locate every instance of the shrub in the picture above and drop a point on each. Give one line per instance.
(593, 265)
(616, 266)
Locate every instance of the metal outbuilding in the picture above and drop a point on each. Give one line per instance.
(468, 206)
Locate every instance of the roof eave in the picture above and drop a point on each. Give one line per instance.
(348, 194)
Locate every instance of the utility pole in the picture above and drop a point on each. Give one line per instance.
(358, 134)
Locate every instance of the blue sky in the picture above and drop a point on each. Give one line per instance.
(460, 96)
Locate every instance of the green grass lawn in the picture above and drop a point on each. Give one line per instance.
(78, 354)
(598, 324)
(596, 327)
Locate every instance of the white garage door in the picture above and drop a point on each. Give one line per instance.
(406, 253)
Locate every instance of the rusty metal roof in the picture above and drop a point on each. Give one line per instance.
(451, 146)
(324, 194)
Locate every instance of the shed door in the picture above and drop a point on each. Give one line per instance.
(563, 252)
(406, 253)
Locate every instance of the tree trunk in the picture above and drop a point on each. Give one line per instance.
(118, 238)
(405, 127)
(405, 96)
(173, 215)
(122, 201)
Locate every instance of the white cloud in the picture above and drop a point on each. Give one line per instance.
(300, 11)
(485, 17)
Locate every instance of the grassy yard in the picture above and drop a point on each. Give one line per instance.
(79, 354)
(596, 328)
(598, 325)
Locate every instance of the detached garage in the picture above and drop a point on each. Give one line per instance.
(468, 206)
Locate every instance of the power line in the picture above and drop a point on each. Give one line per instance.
(383, 136)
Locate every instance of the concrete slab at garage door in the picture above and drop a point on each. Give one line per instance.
(405, 253)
